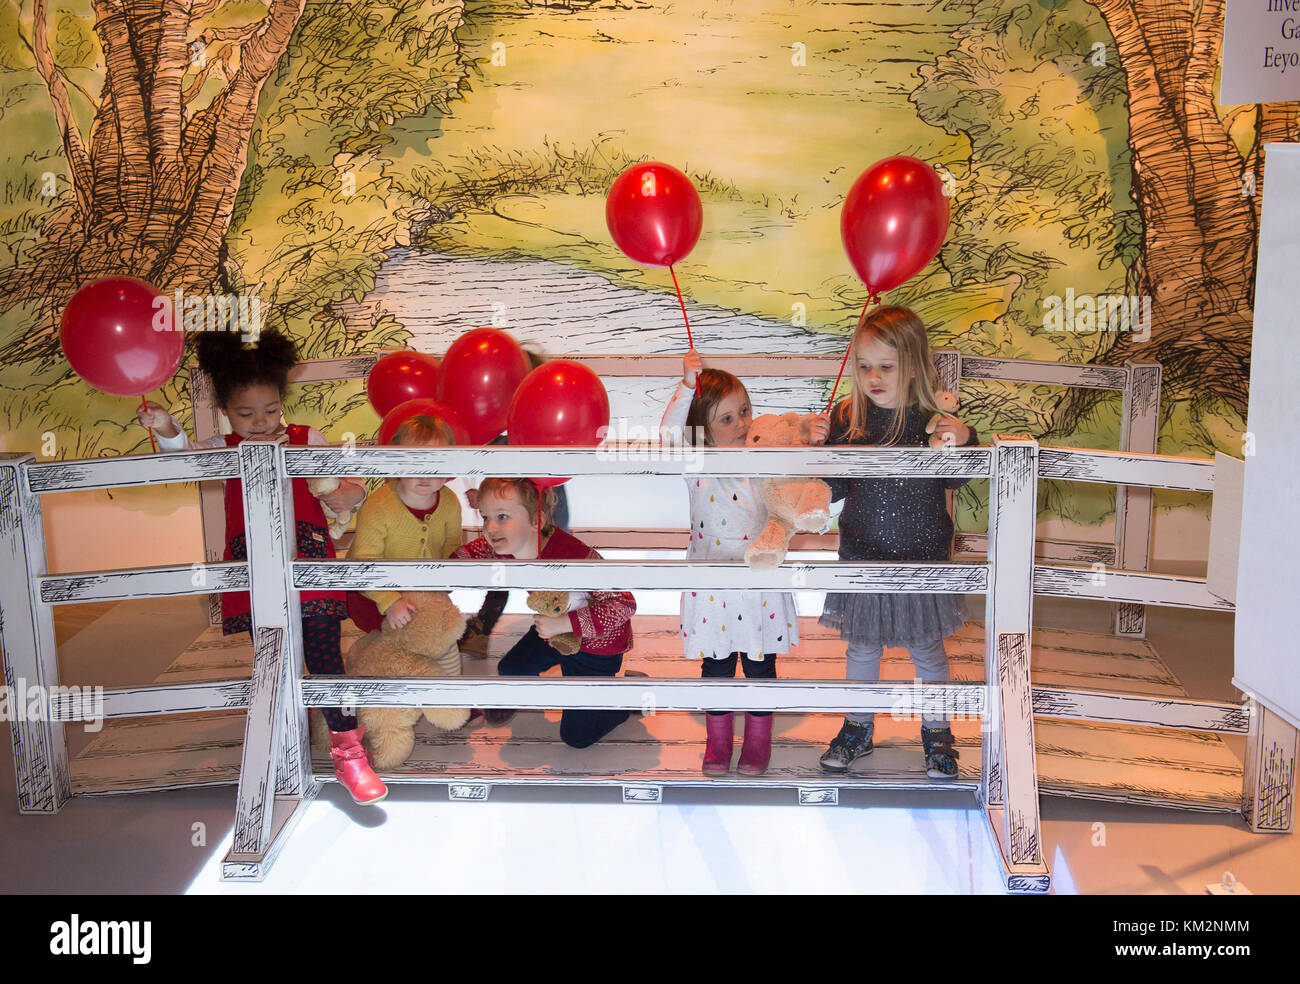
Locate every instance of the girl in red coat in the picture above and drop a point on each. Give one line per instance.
(250, 384)
(517, 517)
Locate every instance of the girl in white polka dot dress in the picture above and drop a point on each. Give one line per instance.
(723, 627)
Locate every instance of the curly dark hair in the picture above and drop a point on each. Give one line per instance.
(233, 367)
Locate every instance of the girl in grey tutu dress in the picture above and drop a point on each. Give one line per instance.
(894, 402)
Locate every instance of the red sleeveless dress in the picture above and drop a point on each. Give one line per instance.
(313, 541)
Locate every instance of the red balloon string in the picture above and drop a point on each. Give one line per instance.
(872, 298)
(689, 341)
(145, 404)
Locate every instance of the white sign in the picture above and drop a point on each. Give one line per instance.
(1261, 52)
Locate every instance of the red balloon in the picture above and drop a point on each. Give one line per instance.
(893, 222)
(479, 374)
(109, 336)
(426, 407)
(654, 214)
(401, 376)
(561, 404)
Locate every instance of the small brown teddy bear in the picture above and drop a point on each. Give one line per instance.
(557, 603)
(793, 504)
(411, 651)
(947, 404)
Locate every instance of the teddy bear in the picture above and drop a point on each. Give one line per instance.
(411, 651)
(557, 603)
(338, 521)
(947, 404)
(793, 504)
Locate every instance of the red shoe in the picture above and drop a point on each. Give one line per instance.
(720, 729)
(352, 767)
(756, 752)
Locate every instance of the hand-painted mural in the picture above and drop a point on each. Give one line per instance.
(381, 174)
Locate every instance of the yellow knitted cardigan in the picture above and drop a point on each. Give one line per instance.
(388, 530)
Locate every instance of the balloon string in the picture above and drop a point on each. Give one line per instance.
(872, 298)
(690, 343)
(145, 405)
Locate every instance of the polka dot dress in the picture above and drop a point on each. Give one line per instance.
(726, 516)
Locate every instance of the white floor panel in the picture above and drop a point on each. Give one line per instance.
(430, 846)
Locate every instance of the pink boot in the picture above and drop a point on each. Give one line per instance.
(352, 767)
(756, 752)
(720, 729)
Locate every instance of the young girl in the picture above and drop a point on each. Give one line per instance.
(893, 403)
(720, 627)
(406, 519)
(513, 511)
(250, 384)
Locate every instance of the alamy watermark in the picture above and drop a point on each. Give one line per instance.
(1087, 313)
(626, 441)
(209, 312)
(22, 702)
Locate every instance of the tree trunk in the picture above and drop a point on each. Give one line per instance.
(155, 190)
(1197, 195)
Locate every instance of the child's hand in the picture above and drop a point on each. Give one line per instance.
(157, 419)
(399, 613)
(814, 429)
(949, 429)
(551, 625)
(691, 366)
(347, 495)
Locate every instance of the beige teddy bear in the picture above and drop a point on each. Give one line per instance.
(793, 504)
(338, 521)
(947, 404)
(411, 651)
(558, 603)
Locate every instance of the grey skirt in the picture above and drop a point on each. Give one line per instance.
(893, 619)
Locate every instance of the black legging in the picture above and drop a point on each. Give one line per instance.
(322, 654)
(755, 669)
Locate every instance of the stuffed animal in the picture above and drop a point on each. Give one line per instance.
(947, 404)
(338, 521)
(793, 504)
(411, 651)
(557, 603)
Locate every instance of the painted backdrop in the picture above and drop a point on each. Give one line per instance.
(390, 173)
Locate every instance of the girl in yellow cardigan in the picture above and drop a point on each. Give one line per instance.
(407, 519)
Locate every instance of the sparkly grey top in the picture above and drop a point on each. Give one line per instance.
(904, 519)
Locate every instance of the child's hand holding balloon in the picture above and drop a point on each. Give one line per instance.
(154, 417)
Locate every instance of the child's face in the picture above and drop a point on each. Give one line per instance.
(729, 422)
(506, 525)
(420, 487)
(254, 411)
(877, 373)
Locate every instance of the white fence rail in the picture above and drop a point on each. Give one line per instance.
(276, 778)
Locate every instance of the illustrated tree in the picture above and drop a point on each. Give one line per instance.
(221, 138)
(155, 181)
(1198, 194)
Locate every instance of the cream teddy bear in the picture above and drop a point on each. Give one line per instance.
(338, 521)
(794, 505)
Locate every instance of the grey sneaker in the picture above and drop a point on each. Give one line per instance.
(852, 743)
(940, 755)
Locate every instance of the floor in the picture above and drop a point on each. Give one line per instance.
(529, 839)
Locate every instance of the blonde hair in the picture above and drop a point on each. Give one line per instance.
(422, 430)
(529, 495)
(918, 380)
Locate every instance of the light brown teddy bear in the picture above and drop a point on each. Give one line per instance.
(557, 603)
(947, 404)
(794, 505)
(411, 651)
